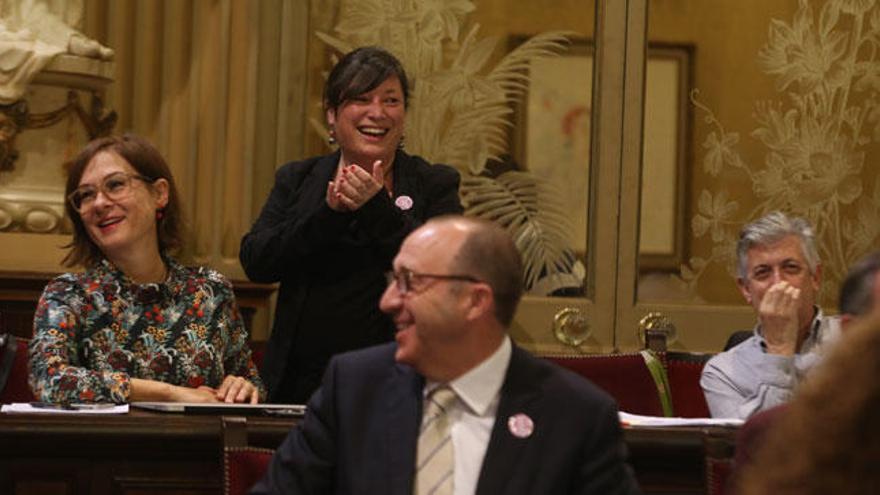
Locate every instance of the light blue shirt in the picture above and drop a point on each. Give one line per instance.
(746, 379)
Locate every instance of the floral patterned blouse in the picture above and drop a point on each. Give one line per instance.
(93, 331)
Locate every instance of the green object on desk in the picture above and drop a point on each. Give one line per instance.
(658, 373)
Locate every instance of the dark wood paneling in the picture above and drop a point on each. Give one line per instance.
(151, 453)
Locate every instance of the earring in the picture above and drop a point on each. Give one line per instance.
(331, 139)
(400, 143)
(160, 214)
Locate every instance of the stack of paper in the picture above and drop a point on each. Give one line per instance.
(46, 408)
(628, 419)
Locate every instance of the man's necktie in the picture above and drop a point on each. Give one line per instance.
(435, 460)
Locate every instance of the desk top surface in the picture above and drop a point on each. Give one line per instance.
(141, 422)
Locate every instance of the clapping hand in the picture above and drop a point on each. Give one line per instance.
(353, 186)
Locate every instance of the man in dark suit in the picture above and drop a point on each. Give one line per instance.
(517, 424)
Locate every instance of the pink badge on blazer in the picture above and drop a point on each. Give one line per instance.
(403, 202)
(520, 425)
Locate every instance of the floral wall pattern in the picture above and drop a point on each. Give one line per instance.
(819, 142)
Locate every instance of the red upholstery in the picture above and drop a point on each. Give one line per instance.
(717, 474)
(17, 388)
(258, 352)
(624, 376)
(242, 467)
(683, 371)
(718, 462)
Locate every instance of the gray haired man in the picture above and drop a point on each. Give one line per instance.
(778, 273)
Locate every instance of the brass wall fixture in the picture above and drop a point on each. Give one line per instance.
(16, 117)
(570, 326)
(656, 326)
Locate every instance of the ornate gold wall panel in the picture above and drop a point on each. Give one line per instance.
(785, 112)
(225, 88)
(61, 109)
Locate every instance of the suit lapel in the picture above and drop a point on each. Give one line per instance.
(505, 450)
(403, 414)
(313, 189)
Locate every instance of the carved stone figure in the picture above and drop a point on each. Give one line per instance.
(32, 32)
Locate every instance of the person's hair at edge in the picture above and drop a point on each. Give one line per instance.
(771, 228)
(362, 70)
(147, 161)
(857, 291)
(829, 439)
(489, 254)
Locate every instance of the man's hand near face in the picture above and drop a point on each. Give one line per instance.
(778, 313)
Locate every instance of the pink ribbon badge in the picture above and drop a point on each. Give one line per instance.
(403, 202)
(520, 425)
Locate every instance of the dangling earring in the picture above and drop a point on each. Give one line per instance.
(400, 143)
(331, 139)
(160, 214)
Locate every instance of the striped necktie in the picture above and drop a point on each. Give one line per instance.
(435, 460)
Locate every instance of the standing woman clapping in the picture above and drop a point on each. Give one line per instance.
(333, 223)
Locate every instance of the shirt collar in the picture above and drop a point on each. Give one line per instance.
(479, 387)
(106, 272)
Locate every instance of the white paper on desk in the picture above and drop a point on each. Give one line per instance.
(24, 407)
(639, 420)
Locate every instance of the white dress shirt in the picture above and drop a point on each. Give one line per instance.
(473, 416)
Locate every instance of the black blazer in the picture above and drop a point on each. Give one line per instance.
(360, 432)
(296, 231)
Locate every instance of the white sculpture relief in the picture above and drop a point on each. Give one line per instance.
(6, 215)
(32, 33)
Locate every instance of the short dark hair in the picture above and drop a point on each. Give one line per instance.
(360, 71)
(148, 162)
(857, 291)
(489, 254)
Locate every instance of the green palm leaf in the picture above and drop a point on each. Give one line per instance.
(530, 210)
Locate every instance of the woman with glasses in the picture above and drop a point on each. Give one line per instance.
(333, 223)
(136, 325)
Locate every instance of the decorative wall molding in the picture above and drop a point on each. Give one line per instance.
(816, 143)
(63, 108)
(17, 117)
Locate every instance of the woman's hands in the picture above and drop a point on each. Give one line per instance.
(233, 389)
(237, 389)
(198, 394)
(354, 186)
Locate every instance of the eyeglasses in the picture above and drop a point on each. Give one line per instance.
(115, 187)
(404, 278)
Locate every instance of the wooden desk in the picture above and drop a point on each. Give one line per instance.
(151, 453)
(672, 459)
(138, 453)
